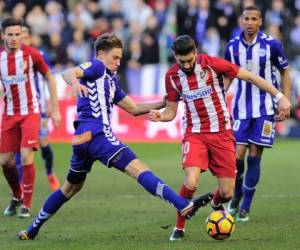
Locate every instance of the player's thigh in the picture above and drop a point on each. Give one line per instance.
(222, 154)
(10, 134)
(192, 175)
(262, 131)
(194, 152)
(30, 130)
(241, 131)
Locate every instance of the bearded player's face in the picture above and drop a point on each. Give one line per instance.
(187, 62)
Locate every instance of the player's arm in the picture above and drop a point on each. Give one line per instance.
(71, 77)
(167, 115)
(284, 103)
(286, 82)
(139, 108)
(55, 113)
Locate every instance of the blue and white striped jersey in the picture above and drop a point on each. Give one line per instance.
(41, 86)
(263, 57)
(104, 91)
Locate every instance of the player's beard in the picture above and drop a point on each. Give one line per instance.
(190, 70)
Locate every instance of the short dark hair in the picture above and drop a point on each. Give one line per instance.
(252, 7)
(107, 41)
(10, 21)
(183, 45)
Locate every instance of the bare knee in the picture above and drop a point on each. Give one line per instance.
(69, 189)
(191, 180)
(226, 195)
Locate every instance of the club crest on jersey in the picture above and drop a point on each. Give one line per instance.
(85, 65)
(22, 65)
(191, 95)
(267, 129)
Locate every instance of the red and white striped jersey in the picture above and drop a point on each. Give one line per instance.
(17, 76)
(203, 94)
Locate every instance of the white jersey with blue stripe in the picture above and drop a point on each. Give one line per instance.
(264, 57)
(41, 87)
(103, 92)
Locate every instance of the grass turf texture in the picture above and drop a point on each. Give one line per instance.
(113, 212)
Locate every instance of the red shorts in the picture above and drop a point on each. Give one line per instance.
(214, 151)
(19, 131)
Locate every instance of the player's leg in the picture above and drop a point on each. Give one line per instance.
(11, 175)
(29, 125)
(222, 162)
(261, 135)
(9, 143)
(19, 165)
(224, 192)
(72, 185)
(241, 133)
(80, 165)
(47, 154)
(28, 180)
(194, 159)
(186, 191)
(252, 177)
(126, 161)
(233, 206)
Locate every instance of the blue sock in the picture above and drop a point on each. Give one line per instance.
(251, 180)
(19, 165)
(47, 155)
(52, 204)
(238, 190)
(157, 187)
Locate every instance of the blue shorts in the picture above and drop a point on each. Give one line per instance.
(259, 131)
(91, 143)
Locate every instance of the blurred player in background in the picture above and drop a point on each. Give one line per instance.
(208, 141)
(97, 88)
(46, 150)
(21, 115)
(254, 110)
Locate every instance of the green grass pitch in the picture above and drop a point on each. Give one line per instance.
(113, 212)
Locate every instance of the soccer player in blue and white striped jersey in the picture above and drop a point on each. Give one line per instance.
(98, 89)
(254, 111)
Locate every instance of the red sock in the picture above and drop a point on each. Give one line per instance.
(28, 184)
(188, 194)
(12, 177)
(217, 197)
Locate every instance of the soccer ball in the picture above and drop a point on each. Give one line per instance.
(219, 225)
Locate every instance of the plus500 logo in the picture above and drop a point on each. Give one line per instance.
(196, 94)
(7, 80)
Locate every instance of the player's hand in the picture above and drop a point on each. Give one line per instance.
(155, 116)
(80, 90)
(284, 109)
(56, 117)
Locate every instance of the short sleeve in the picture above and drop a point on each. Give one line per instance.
(119, 94)
(223, 67)
(172, 93)
(39, 62)
(92, 69)
(278, 57)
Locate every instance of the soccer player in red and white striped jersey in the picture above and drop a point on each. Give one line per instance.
(21, 115)
(208, 143)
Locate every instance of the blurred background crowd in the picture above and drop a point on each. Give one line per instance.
(65, 31)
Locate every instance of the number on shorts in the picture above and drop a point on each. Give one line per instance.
(236, 125)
